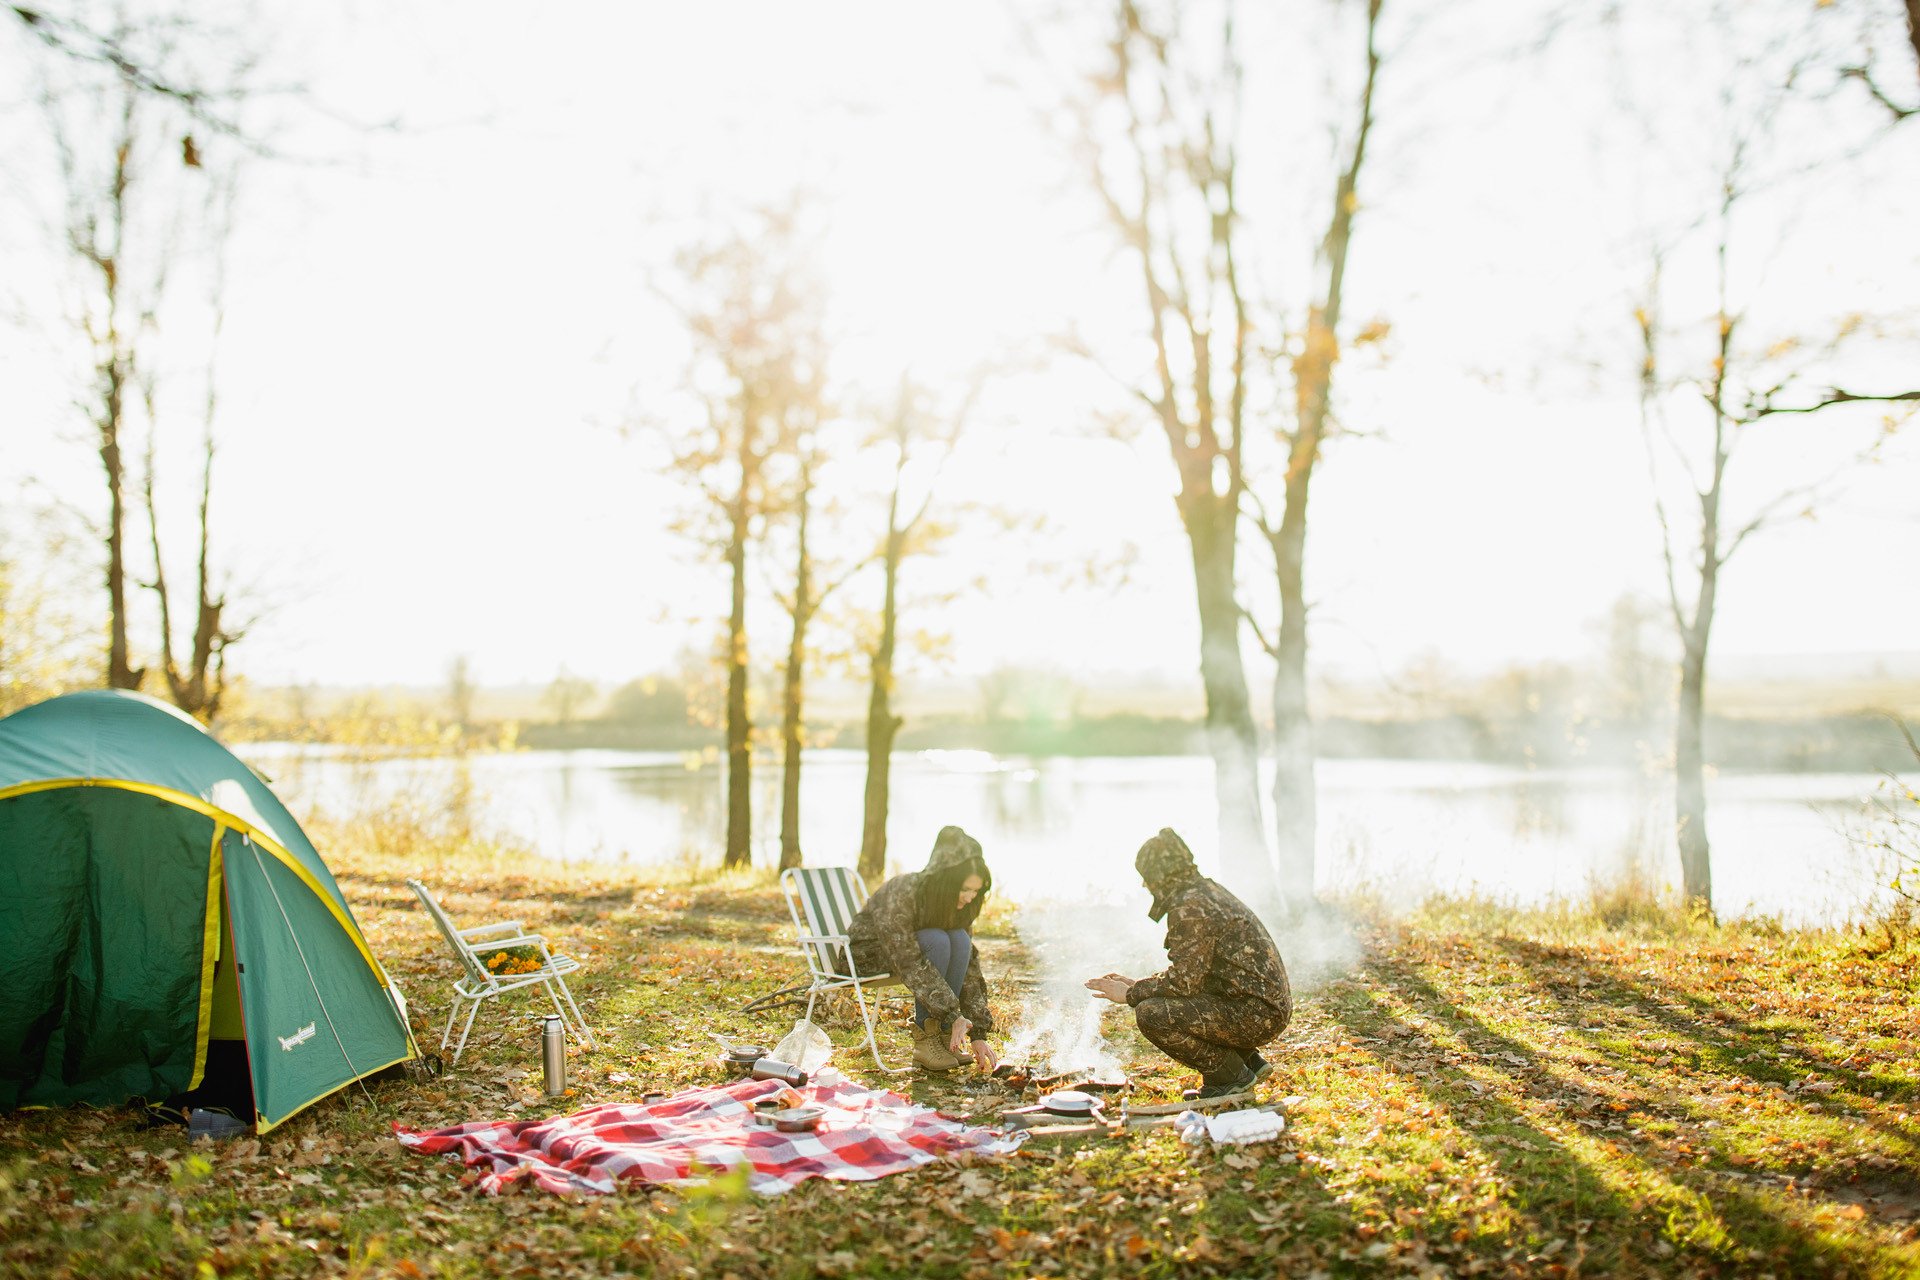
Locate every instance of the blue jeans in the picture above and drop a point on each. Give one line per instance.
(949, 950)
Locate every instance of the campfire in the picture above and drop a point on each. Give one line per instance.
(1018, 1077)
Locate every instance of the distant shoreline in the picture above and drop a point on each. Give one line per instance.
(1861, 743)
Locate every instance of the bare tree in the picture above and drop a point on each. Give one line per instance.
(1294, 802)
(810, 592)
(752, 312)
(144, 200)
(199, 687)
(115, 305)
(1694, 422)
(1158, 141)
(919, 436)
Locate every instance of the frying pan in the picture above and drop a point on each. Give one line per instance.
(1063, 1102)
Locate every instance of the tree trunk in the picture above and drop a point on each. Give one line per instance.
(882, 724)
(120, 671)
(1294, 798)
(1689, 781)
(1231, 736)
(793, 717)
(739, 728)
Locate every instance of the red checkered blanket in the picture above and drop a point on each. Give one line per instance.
(865, 1134)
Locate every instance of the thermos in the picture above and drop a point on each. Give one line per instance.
(553, 1054)
(774, 1069)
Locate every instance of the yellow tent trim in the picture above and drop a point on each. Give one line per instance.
(209, 958)
(262, 1124)
(231, 822)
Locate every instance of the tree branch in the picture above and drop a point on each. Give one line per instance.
(1832, 397)
(1878, 94)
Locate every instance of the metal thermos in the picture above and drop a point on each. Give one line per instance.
(553, 1055)
(785, 1072)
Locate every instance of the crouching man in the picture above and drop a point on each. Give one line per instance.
(1224, 991)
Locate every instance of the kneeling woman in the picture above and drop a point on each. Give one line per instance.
(918, 927)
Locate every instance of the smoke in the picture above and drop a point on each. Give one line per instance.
(1064, 1026)
(1061, 1023)
(1316, 944)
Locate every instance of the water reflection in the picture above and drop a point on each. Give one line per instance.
(1057, 827)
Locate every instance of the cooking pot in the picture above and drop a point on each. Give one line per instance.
(741, 1057)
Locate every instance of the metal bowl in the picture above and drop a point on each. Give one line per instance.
(796, 1119)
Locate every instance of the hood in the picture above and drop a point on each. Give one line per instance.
(1166, 867)
(951, 848)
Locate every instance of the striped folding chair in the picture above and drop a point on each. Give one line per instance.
(823, 902)
(482, 984)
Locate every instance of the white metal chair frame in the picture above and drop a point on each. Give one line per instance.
(823, 902)
(482, 984)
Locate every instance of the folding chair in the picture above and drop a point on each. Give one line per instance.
(823, 902)
(482, 984)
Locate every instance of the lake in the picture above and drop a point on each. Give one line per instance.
(1059, 827)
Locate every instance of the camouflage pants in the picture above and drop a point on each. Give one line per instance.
(1209, 1034)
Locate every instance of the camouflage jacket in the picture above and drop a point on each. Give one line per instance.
(1217, 947)
(883, 939)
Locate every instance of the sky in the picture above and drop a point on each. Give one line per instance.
(446, 349)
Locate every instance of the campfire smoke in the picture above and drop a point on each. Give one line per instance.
(1060, 1026)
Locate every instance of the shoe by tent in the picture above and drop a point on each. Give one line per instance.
(161, 909)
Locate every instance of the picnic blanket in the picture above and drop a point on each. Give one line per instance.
(865, 1134)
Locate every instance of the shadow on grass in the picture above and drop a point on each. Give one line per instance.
(1556, 1190)
(1723, 1040)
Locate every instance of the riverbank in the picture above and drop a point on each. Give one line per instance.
(1483, 1093)
(1866, 742)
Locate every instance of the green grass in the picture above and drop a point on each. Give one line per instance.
(1486, 1093)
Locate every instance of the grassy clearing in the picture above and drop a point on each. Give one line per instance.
(1488, 1093)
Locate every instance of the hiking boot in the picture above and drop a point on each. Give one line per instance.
(930, 1052)
(1226, 1086)
(1260, 1066)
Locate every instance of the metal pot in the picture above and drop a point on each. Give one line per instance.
(741, 1057)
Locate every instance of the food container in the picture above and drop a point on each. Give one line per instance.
(739, 1058)
(795, 1119)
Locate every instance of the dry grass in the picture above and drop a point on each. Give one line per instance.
(1488, 1093)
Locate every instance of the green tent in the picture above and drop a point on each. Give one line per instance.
(158, 904)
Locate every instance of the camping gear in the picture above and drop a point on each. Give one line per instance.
(796, 1119)
(205, 1123)
(823, 902)
(1063, 1102)
(739, 1058)
(774, 1069)
(553, 1054)
(487, 953)
(806, 1047)
(1191, 1104)
(1230, 1128)
(168, 926)
(862, 1134)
